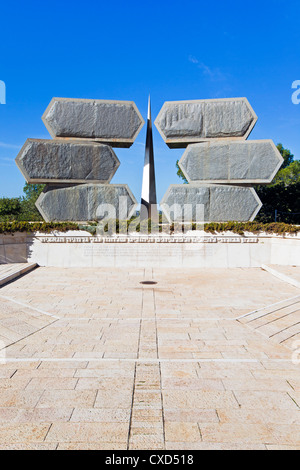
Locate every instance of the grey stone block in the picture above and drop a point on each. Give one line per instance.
(184, 122)
(116, 123)
(56, 161)
(210, 203)
(249, 162)
(86, 202)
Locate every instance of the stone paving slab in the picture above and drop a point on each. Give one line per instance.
(122, 365)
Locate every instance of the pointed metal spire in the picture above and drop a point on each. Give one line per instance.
(149, 199)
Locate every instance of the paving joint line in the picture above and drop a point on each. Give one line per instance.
(131, 411)
(268, 306)
(135, 373)
(285, 329)
(181, 319)
(143, 360)
(274, 311)
(160, 373)
(290, 337)
(13, 276)
(22, 304)
(273, 321)
(281, 276)
(25, 337)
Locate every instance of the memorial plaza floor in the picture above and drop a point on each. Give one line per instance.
(202, 359)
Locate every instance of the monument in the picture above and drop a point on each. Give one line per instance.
(220, 165)
(149, 199)
(219, 162)
(79, 163)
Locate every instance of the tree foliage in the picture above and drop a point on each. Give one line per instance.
(32, 191)
(285, 199)
(10, 207)
(29, 210)
(22, 208)
(180, 173)
(282, 196)
(287, 156)
(288, 175)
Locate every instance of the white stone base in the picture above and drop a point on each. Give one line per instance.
(79, 249)
(222, 252)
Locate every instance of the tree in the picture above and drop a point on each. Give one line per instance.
(32, 191)
(283, 194)
(288, 175)
(281, 198)
(29, 210)
(180, 173)
(287, 156)
(10, 208)
(22, 208)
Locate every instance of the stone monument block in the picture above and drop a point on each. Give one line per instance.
(210, 203)
(184, 122)
(231, 162)
(67, 161)
(86, 202)
(116, 123)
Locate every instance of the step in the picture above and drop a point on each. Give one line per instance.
(12, 271)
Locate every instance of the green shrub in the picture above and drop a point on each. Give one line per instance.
(10, 208)
(253, 227)
(44, 227)
(122, 226)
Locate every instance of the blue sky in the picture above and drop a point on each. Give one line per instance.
(125, 50)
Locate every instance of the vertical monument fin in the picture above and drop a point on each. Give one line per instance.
(149, 199)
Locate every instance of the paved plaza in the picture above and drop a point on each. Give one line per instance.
(202, 359)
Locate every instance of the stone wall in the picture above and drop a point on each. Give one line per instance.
(13, 248)
(81, 250)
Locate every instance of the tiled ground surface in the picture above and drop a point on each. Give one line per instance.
(10, 272)
(6, 269)
(99, 361)
(291, 271)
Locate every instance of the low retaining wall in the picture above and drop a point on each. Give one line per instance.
(79, 249)
(13, 248)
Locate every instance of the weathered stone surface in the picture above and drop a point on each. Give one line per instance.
(210, 203)
(250, 162)
(183, 122)
(56, 161)
(113, 122)
(83, 202)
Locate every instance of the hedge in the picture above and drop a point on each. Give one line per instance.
(121, 226)
(30, 227)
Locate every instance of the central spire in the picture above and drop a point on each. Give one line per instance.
(149, 200)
